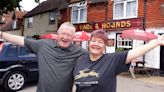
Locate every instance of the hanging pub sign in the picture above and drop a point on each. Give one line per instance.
(111, 25)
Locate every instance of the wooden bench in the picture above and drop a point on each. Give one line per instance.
(139, 67)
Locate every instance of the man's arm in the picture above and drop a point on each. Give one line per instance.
(19, 40)
(139, 51)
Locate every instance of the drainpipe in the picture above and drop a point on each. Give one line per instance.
(68, 12)
(106, 10)
(144, 21)
(22, 27)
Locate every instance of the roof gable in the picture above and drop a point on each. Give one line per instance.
(47, 6)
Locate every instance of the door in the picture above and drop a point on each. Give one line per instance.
(162, 58)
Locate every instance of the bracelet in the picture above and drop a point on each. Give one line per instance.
(1, 34)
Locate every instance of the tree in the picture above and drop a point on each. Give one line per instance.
(10, 5)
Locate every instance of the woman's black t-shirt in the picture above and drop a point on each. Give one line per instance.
(100, 75)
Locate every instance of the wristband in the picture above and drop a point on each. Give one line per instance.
(1, 34)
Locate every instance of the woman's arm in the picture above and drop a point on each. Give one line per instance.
(139, 51)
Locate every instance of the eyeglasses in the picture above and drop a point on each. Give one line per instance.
(66, 34)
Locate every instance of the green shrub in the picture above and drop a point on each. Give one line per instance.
(119, 49)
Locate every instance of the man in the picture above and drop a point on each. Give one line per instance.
(55, 58)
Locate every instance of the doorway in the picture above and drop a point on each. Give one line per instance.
(162, 58)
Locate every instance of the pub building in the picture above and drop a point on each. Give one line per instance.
(115, 16)
(114, 29)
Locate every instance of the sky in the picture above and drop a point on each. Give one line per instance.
(28, 5)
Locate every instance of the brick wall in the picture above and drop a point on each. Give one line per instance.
(96, 12)
(154, 16)
(66, 15)
(110, 10)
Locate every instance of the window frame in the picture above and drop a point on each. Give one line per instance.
(78, 7)
(125, 9)
(30, 22)
(123, 42)
(52, 14)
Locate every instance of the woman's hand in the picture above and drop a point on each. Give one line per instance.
(161, 40)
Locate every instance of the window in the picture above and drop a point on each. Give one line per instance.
(52, 17)
(123, 43)
(12, 51)
(14, 24)
(125, 9)
(22, 51)
(79, 12)
(30, 22)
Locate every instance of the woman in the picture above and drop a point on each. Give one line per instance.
(96, 72)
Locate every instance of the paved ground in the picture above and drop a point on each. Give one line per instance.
(126, 84)
(140, 84)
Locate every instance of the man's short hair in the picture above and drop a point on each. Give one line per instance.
(67, 25)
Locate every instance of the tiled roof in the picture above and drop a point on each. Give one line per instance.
(8, 17)
(46, 6)
(8, 20)
(20, 14)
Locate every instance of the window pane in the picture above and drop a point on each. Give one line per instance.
(14, 24)
(22, 51)
(12, 51)
(30, 21)
(119, 10)
(131, 9)
(75, 16)
(125, 43)
(83, 15)
(52, 17)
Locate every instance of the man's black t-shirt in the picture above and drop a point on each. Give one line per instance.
(100, 75)
(55, 64)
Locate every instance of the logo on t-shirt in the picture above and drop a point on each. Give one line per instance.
(86, 77)
(85, 73)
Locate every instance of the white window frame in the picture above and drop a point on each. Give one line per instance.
(125, 43)
(78, 7)
(30, 22)
(124, 8)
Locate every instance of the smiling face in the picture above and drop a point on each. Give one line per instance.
(97, 43)
(96, 46)
(65, 35)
